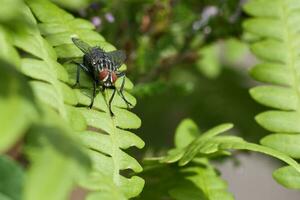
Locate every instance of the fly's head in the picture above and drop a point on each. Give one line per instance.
(95, 55)
(93, 61)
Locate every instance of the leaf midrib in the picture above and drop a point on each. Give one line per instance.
(115, 145)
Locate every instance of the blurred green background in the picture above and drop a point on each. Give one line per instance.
(186, 59)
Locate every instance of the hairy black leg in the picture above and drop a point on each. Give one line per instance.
(94, 94)
(110, 101)
(77, 77)
(122, 74)
(79, 65)
(102, 88)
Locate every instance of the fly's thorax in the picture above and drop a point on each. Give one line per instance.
(106, 62)
(95, 56)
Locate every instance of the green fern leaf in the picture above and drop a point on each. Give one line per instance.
(52, 147)
(210, 143)
(16, 95)
(106, 143)
(208, 63)
(16, 99)
(196, 180)
(186, 132)
(35, 45)
(287, 142)
(19, 109)
(278, 48)
(288, 177)
(72, 4)
(204, 147)
(199, 180)
(11, 179)
(8, 53)
(60, 145)
(15, 108)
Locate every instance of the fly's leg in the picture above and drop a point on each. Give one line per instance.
(94, 94)
(77, 77)
(111, 99)
(102, 88)
(79, 65)
(122, 74)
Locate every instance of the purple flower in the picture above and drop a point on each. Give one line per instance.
(109, 17)
(96, 21)
(208, 12)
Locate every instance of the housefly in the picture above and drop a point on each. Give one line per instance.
(102, 67)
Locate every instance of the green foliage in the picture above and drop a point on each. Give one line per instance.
(194, 177)
(276, 45)
(16, 104)
(196, 180)
(11, 179)
(59, 144)
(54, 116)
(209, 62)
(16, 97)
(199, 180)
(210, 143)
(107, 159)
(211, 57)
(288, 177)
(72, 4)
(52, 127)
(117, 160)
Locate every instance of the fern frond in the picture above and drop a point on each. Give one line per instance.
(45, 73)
(210, 143)
(19, 112)
(195, 146)
(196, 180)
(277, 47)
(16, 99)
(108, 136)
(53, 140)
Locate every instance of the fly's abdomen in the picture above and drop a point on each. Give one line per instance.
(107, 71)
(107, 76)
(103, 75)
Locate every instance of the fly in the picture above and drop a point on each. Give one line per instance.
(103, 68)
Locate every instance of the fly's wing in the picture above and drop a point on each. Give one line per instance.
(84, 47)
(118, 57)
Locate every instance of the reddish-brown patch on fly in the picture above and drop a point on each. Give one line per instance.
(103, 74)
(113, 77)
